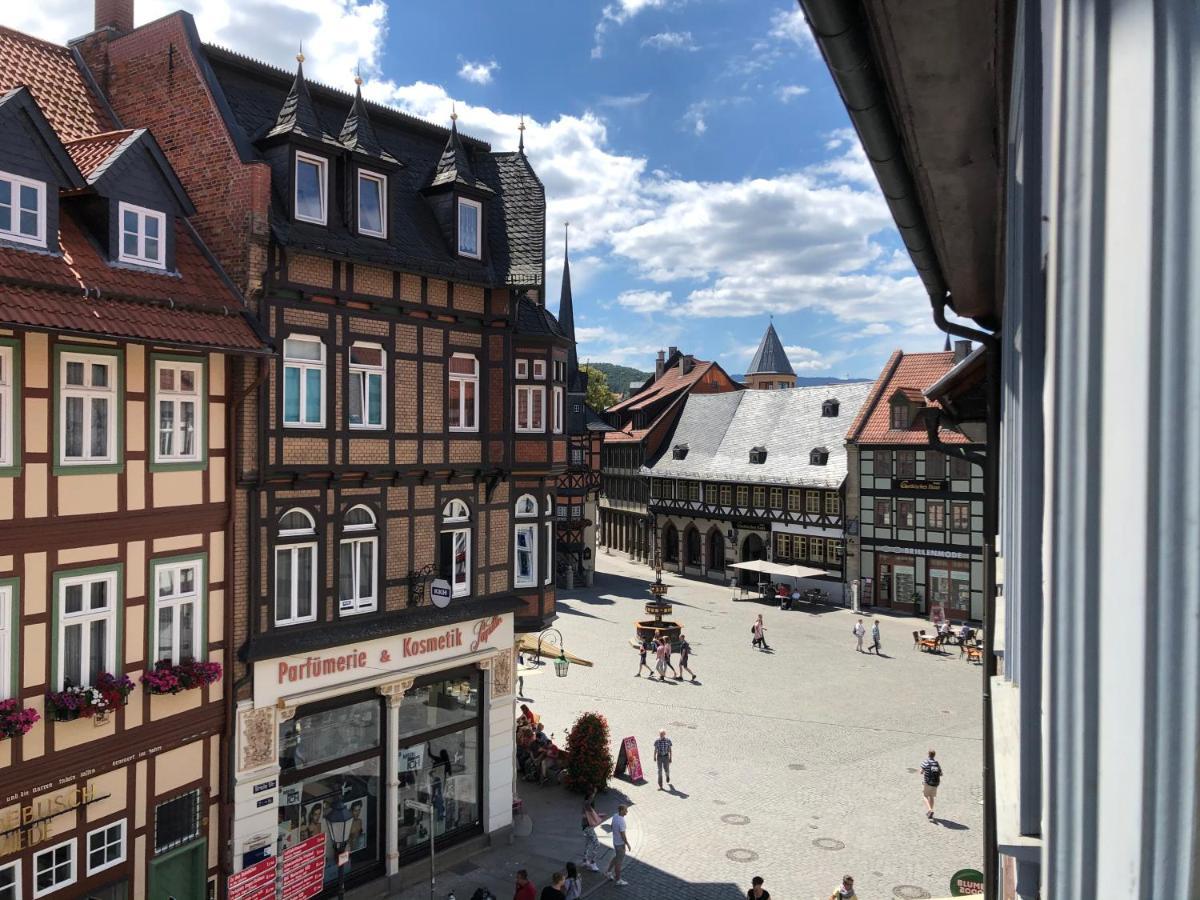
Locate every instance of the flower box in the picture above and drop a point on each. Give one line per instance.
(16, 720)
(75, 701)
(168, 678)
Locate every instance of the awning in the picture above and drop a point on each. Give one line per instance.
(529, 644)
(772, 568)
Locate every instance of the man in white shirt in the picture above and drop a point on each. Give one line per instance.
(859, 631)
(620, 845)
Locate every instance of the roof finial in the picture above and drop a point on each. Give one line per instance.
(453, 111)
(521, 140)
(566, 237)
(300, 55)
(358, 74)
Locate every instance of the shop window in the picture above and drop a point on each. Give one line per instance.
(368, 377)
(317, 738)
(176, 821)
(178, 610)
(106, 847)
(670, 549)
(303, 382)
(10, 881)
(179, 410)
(906, 513)
(716, 550)
(88, 397)
(960, 516)
(906, 463)
(22, 210)
(935, 465)
(296, 569)
(531, 408)
(358, 555)
(833, 503)
(812, 503)
(959, 468)
(87, 632)
(454, 556)
(54, 868)
(935, 515)
(464, 392)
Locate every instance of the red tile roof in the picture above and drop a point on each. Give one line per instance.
(90, 153)
(671, 382)
(909, 373)
(50, 73)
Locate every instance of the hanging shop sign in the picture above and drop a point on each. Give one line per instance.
(916, 484)
(966, 882)
(439, 593)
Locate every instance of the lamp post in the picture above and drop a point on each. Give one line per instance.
(553, 638)
(338, 819)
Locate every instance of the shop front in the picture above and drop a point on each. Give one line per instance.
(923, 581)
(409, 736)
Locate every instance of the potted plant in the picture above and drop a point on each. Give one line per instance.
(16, 720)
(169, 678)
(589, 759)
(81, 701)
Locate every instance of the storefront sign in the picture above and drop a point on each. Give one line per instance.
(919, 551)
(254, 883)
(378, 658)
(628, 759)
(966, 882)
(439, 593)
(913, 484)
(33, 823)
(304, 869)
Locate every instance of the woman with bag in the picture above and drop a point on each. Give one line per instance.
(573, 886)
(591, 821)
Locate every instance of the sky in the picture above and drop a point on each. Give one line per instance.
(698, 149)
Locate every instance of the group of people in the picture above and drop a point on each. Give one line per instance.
(536, 751)
(860, 631)
(662, 649)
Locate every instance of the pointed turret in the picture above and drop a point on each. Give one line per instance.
(566, 316)
(946, 349)
(454, 167)
(770, 367)
(298, 115)
(357, 132)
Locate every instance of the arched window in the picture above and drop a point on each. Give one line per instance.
(526, 506)
(296, 568)
(670, 547)
(454, 548)
(358, 555)
(691, 542)
(716, 550)
(525, 542)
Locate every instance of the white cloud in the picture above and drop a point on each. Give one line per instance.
(876, 328)
(790, 25)
(671, 40)
(617, 14)
(694, 119)
(789, 92)
(645, 301)
(478, 72)
(624, 101)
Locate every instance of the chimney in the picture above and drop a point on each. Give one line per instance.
(685, 364)
(671, 351)
(658, 366)
(115, 14)
(962, 350)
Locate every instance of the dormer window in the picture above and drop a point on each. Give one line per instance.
(901, 416)
(142, 236)
(372, 205)
(829, 409)
(758, 455)
(470, 213)
(679, 451)
(818, 456)
(22, 210)
(310, 205)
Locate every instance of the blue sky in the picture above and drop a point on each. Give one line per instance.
(698, 148)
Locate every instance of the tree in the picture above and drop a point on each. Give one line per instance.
(599, 395)
(589, 760)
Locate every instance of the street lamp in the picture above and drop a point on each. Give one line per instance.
(560, 665)
(338, 819)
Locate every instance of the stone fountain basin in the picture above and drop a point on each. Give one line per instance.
(650, 629)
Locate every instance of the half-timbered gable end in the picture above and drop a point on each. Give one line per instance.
(118, 335)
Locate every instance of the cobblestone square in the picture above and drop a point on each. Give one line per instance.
(799, 764)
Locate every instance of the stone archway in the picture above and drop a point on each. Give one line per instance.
(670, 543)
(752, 548)
(692, 552)
(716, 551)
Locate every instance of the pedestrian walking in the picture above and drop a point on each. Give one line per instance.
(525, 889)
(875, 645)
(591, 821)
(554, 890)
(663, 652)
(685, 654)
(845, 890)
(662, 756)
(573, 885)
(757, 891)
(642, 651)
(931, 775)
(859, 630)
(759, 630)
(670, 652)
(620, 847)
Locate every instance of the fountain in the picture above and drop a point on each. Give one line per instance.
(657, 627)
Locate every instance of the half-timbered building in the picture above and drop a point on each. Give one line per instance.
(641, 423)
(401, 450)
(916, 534)
(754, 475)
(119, 336)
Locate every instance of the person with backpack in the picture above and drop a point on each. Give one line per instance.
(931, 775)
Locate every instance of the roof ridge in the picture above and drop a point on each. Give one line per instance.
(102, 134)
(868, 407)
(64, 51)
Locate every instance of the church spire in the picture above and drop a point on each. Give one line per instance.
(576, 383)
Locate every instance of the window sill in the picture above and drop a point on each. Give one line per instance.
(368, 428)
(100, 468)
(309, 220)
(458, 429)
(347, 613)
(148, 264)
(531, 431)
(22, 240)
(303, 426)
(183, 465)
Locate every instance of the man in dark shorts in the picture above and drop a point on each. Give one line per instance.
(643, 649)
(685, 653)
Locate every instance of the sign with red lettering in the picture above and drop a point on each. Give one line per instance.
(629, 761)
(304, 869)
(256, 882)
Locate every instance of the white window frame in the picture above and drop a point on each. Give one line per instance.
(355, 537)
(177, 397)
(61, 884)
(289, 551)
(7, 406)
(557, 410)
(549, 552)
(174, 602)
(7, 646)
(15, 234)
(478, 207)
(322, 165)
(522, 368)
(87, 393)
(526, 508)
(303, 366)
(367, 372)
(143, 214)
(532, 392)
(15, 868)
(539, 369)
(451, 515)
(84, 618)
(529, 531)
(381, 180)
(463, 379)
(104, 831)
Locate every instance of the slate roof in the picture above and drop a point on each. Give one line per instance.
(534, 320)
(255, 93)
(454, 166)
(357, 132)
(61, 90)
(910, 373)
(721, 429)
(593, 421)
(770, 358)
(296, 115)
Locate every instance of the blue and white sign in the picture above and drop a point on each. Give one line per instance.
(439, 593)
